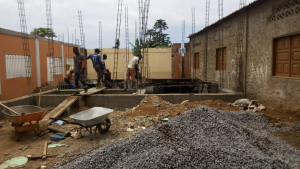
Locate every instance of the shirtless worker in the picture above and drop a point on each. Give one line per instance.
(79, 65)
(131, 70)
(97, 64)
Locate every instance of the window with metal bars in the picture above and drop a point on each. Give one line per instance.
(16, 66)
(54, 67)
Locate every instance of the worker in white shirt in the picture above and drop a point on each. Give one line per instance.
(132, 68)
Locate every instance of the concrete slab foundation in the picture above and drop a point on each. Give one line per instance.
(117, 100)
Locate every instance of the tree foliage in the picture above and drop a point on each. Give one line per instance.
(43, 32)
(153, 38)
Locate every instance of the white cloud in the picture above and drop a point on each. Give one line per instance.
(65, 14)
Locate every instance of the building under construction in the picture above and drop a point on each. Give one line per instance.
(228, 98)
(254, 50)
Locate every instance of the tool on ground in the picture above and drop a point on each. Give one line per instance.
(19, 115)
(44, 157)
(20, 151)
(38, 157)
(96, 116)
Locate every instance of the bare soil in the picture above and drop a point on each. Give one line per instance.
(124, 124)
(45, 87)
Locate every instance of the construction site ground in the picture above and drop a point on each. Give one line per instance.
(125, 123)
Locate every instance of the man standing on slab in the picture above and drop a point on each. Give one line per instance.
(79, 65)
(132, 68)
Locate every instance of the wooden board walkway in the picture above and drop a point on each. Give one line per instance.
(91, 91)
(57, 111)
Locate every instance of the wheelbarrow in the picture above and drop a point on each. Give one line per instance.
(96, 116)
(19, 115)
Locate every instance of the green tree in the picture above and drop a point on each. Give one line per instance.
(160, 25)
(43, 32)
(136, 48)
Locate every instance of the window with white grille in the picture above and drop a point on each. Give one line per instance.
(16, 66)
(54, 67)
(71, 62)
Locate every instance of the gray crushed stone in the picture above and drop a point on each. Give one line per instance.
(200, 138)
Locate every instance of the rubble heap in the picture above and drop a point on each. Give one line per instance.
(199, 138)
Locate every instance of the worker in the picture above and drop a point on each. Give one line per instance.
(97, 64)
(79, 64)
(104, 67)
(69, 78)
(108, 79)
(132, 68)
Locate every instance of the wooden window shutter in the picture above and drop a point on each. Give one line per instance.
(282, 57)
(295, 56)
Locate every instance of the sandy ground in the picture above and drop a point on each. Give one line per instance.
(124, 124)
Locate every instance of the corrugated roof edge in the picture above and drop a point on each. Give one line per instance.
(228, 16)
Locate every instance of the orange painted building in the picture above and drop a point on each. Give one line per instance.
(13, 80)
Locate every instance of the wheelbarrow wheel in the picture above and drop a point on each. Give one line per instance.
(104, 127)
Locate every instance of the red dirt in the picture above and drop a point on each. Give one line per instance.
(154, 105)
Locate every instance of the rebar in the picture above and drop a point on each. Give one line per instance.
(240, 41)
(135, 31)
(183, 48)
(193, 20)
(206, 38)
(82, 38)
(100, 37)
(50, 41)
(220, 8)
(117, 41)
(25, 41)
(126, 34)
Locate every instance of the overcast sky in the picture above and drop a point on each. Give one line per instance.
(65, 14)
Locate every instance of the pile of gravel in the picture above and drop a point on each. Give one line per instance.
(199, 138)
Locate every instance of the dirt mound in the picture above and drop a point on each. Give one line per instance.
(45, 87)
(156, 106)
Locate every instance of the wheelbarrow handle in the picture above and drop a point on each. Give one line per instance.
(68, 122)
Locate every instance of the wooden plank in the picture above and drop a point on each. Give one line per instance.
(91, 91)
(56, 112)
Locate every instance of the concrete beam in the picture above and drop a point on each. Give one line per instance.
(38, 68)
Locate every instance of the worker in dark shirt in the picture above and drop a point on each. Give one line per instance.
(79, 65)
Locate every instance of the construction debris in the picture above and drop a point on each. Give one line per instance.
(225, 139)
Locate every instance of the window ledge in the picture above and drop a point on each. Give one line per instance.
(282, 77)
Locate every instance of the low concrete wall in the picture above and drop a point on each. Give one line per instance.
(129, 101)
(117, 100)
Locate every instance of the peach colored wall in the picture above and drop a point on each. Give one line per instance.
(43, 46)
(15, 87)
